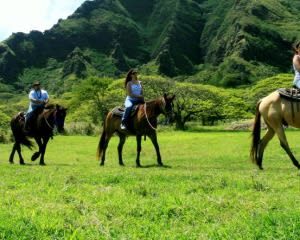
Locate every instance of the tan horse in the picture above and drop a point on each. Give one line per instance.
(143, 123)
(276, 111)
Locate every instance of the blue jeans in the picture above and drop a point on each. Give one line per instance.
(129, 102)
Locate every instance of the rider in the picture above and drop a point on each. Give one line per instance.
(38, 99)
(296, 65)
(134, 92)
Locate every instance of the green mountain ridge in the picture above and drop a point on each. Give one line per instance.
(226, 43)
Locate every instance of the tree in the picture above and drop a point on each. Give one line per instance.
(196, 102)
(93, 90)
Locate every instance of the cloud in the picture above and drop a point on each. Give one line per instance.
(24, 16)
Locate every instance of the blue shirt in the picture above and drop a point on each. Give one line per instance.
(41, 95)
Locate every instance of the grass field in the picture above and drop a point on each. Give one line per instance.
(209, 190)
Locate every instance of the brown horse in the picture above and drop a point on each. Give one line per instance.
(42, 130)
(276, 111)
(144, 122)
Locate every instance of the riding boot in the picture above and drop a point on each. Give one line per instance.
(123, 124)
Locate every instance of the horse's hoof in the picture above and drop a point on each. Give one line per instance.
(35, 156)
(122, 164)
(11, 162)
(42, 164)
(22, 163)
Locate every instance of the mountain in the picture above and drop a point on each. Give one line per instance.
(221, 42)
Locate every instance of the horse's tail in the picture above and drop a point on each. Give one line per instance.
(256, 135)
(101, 143)
(19, 134)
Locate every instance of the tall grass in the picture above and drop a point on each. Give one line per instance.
(209, 189)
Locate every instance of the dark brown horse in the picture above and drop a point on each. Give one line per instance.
(41, 131)
(143, 123)
(276, 111)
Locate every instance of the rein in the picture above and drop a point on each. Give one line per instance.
(48, 124)
(148, 119)
(155, 129)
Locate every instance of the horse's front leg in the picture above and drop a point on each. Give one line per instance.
(153, 138)
(43, 150)
(138, 149)
(120, 148)
(37, 154)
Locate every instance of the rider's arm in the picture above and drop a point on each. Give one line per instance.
(296, 62)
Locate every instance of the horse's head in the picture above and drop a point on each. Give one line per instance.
(168, 107)
(60, 116)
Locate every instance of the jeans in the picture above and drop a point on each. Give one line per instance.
(129, 102)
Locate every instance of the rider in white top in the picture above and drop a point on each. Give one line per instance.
(296, 66)
(134, 92)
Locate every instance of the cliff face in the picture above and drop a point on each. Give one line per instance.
(174, 35)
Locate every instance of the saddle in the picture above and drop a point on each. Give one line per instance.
(119, 111)
(290, 93)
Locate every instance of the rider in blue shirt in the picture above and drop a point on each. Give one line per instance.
(38, 99)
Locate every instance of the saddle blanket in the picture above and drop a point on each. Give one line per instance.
(119, 111)
(290, 93)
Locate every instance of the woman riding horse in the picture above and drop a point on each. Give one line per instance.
(143, 123)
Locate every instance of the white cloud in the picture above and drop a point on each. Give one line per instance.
(27, 15)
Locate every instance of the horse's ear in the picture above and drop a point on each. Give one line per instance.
(165, 95)
(173, 97)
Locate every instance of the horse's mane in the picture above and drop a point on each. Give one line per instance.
(154, 100)
(50, 106)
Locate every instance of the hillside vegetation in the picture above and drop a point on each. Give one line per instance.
(220, 42)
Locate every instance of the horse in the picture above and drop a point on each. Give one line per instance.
(41, 131)
(277, 112)
(143, 123)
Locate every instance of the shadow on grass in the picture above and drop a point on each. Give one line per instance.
(155, 166)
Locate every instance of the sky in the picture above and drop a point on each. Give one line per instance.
(27, 15)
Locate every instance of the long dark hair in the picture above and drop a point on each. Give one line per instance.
(128, 76)
(296, 46)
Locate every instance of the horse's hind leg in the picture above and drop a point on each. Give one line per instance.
(262, 145)
(11, 157)
(284, 144)
(16, 147)
(105, 145)
(120, 148)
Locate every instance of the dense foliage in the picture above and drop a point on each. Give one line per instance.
(89, 100)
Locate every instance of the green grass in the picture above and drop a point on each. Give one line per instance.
(210, 190)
